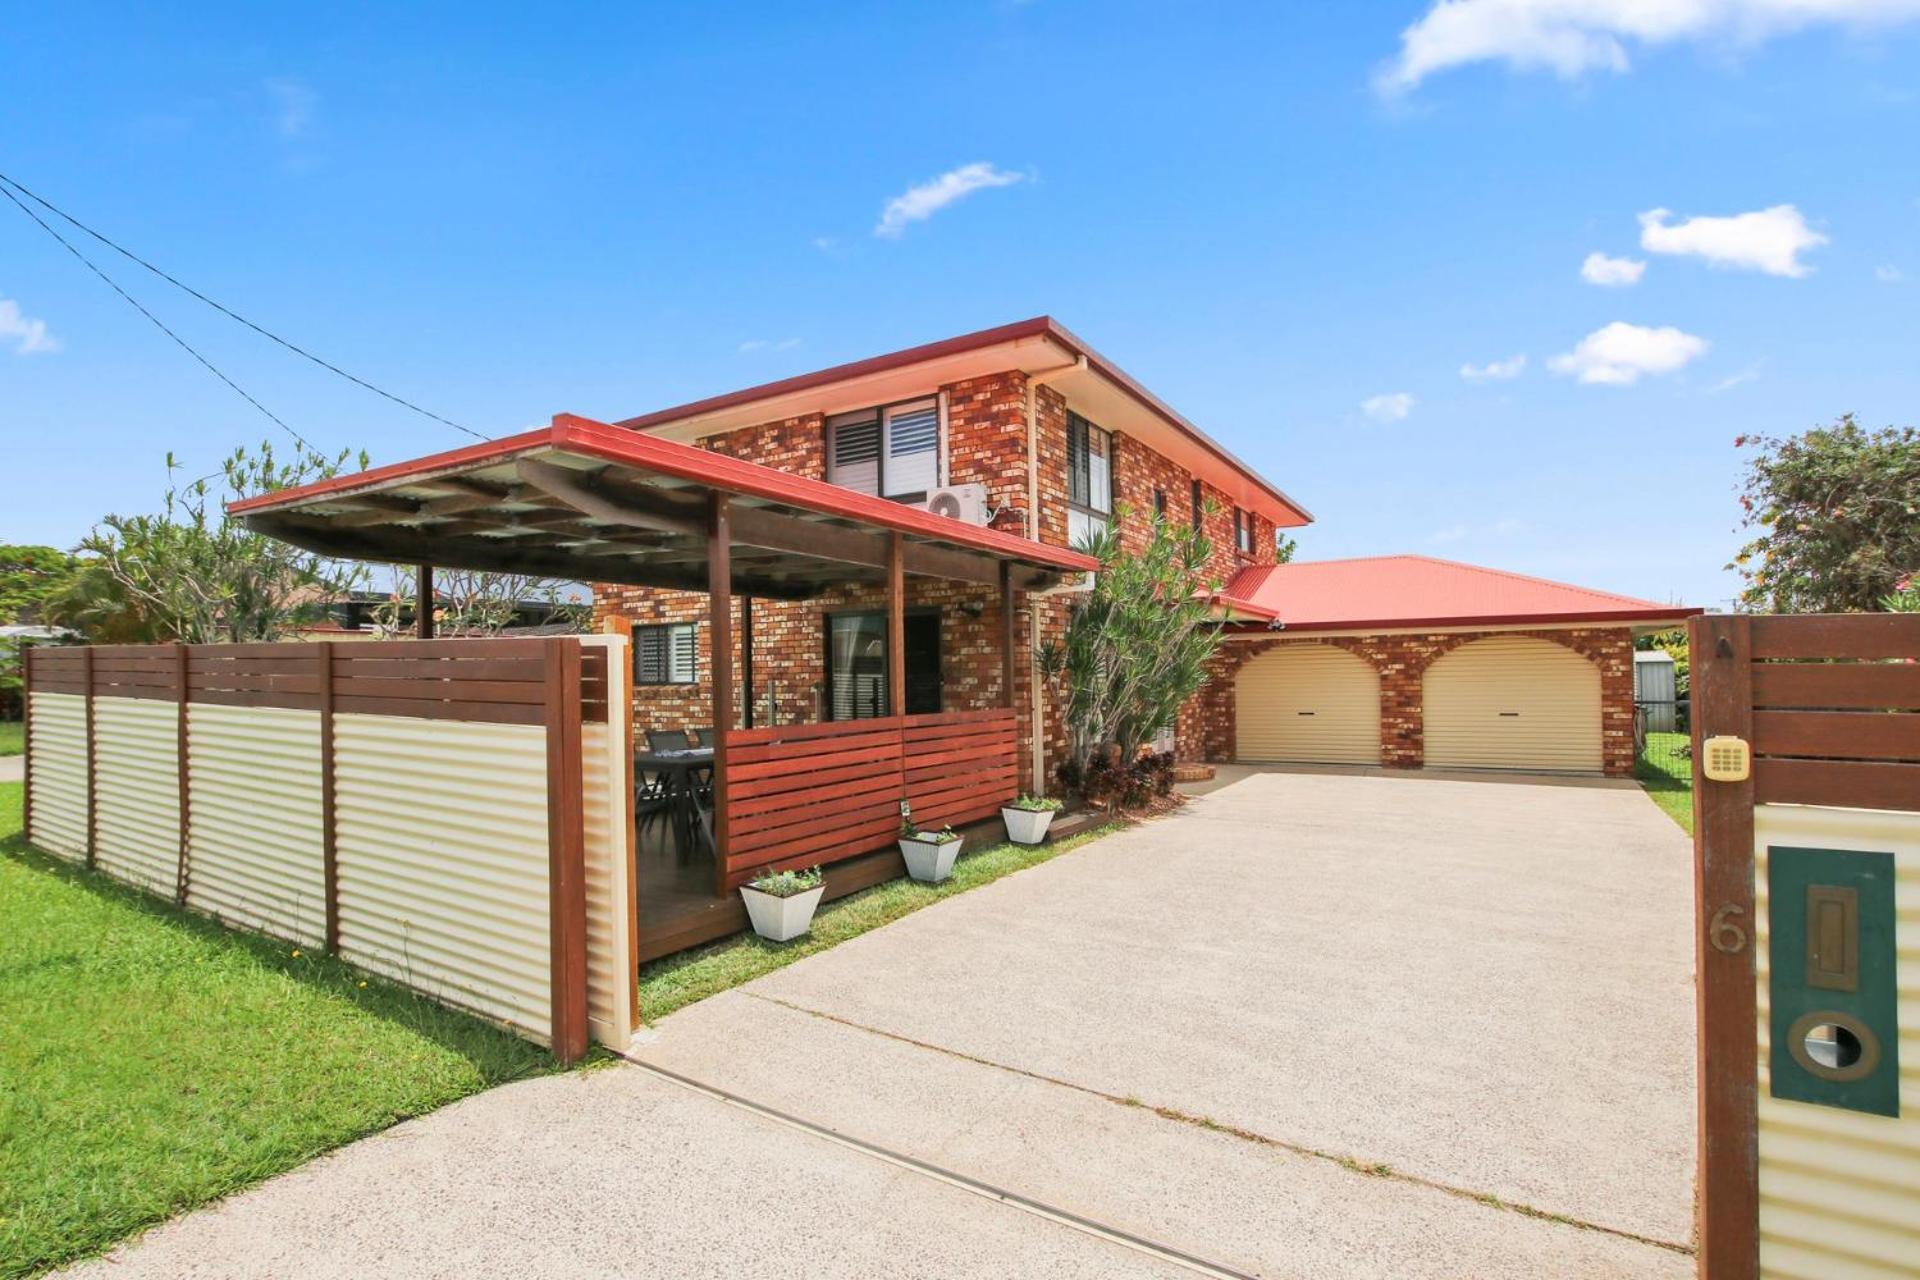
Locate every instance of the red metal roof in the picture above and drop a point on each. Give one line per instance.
(1386, 592)
(652, 455)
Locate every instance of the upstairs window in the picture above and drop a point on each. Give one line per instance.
(664, 654)
(1199, 504)
(890, 452)
(1160, 504)
(1242, 532)
(1089, 479)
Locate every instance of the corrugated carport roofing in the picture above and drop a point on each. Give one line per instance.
(585, 500)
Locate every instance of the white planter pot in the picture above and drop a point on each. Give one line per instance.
(781, 919)
(929, 861)
(1027, 826)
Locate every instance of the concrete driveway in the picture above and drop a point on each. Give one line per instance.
(1311, 1025)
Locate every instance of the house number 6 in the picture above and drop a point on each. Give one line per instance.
(1727, 937)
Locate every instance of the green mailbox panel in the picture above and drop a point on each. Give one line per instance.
(1835, 1034)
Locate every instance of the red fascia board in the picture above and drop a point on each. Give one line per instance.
(1039, 326)
(1625, 616)
(617, 445)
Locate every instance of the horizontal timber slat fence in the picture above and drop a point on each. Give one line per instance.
(449, 814)
(803, 794)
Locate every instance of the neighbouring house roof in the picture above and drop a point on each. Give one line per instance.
(1386, 592)
(589, 501)
(1097, 387)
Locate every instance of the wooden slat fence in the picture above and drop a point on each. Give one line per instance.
(416, 806)
(801, 795)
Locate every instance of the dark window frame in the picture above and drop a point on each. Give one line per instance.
(1243, 531)
(826, 649)
(879, 412)
(1199, 500)
(667, 629)
(1160, 504)
(1078, 426)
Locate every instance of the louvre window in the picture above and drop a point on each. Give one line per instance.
(664, 654)
(892, 452)
(1089, 479)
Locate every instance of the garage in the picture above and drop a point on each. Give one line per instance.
(1513, 702)
(1308, 704)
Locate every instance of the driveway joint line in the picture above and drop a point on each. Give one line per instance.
(1364, 1168)
(974, 1186)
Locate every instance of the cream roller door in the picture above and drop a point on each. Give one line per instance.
(1513, 702)
(1308, 704)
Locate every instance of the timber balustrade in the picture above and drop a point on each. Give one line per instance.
(798, 795)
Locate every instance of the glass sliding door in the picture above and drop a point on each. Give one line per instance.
(857, 687)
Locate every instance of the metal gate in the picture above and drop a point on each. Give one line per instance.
(1806, 758)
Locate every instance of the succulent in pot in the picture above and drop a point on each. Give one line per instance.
(781, 903)
(1029, 817)
(929, 853)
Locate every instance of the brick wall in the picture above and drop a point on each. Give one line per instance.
(1207, 728)
(987, 443)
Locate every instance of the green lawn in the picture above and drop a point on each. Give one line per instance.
(151, 1061)
(13, 737)
(1666, 773)
(678, 980)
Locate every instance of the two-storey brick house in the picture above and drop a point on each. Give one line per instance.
(1058, 439)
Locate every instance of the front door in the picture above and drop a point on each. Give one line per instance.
(856, 662)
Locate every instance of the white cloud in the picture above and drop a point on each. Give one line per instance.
(294, 103)
(1620, 353)
(1598, 268)
(1769, 240)
(1388, 408)
(825, 244)
(1573, 37)
(764, 344)
(918, 203)
(1494, 370)
(28, 336)
(1887, 273)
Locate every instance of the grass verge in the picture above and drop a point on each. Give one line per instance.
(152, 1061)
(1666, 775)
(675, 981)
(13, 737)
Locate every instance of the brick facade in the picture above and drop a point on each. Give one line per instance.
(1207, 729)
(986, 443)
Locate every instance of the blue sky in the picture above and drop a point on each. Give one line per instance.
(1273, 215)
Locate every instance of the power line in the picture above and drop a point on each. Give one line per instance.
(134, 303)
(6, 181)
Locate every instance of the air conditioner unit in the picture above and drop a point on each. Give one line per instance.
(964, 502)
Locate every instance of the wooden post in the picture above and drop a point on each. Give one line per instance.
(93, 808)
(746, 655)
(566, 850)
(1006, 633)
(329, 832)
(182, 770)
(423, 603)
(896, 626)
(720, 610)
(26, 740)
(1728, 1198)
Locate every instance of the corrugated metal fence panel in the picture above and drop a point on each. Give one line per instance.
(136, 754)
(441, 837)
(610, 974)
(58, 741)
(1512, 702)
(1312, 703)
(1840, 1190)
(253, 825)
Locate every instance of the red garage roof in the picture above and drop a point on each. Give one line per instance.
(1383, 592)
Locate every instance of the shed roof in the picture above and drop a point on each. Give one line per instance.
(585, 500)
(1387, 592)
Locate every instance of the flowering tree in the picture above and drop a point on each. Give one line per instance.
(473, 602)
(1837, 515)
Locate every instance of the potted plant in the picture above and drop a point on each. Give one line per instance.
(1029, 817)
(929, 854)
(781, 903)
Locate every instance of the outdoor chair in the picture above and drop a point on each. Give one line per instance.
(668, 740)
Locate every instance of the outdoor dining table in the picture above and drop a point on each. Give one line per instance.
(679, 773)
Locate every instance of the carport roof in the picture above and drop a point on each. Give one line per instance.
(1389, 592)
